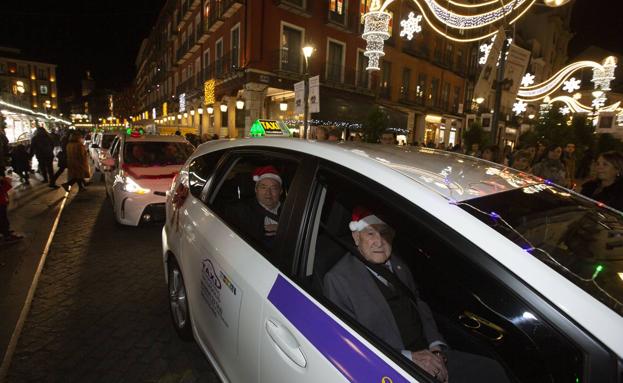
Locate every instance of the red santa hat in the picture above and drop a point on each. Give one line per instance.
(266, 172)
(363, 218)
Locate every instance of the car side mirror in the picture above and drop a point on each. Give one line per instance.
(95, 146)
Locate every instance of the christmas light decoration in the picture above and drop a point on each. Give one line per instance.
(599, 102)
(519, 107)
(411, 26)
(539, 91)
(571, 85)
(485, 49)
(376, 31)
(603, 75)
(527, 79)
(564, 110)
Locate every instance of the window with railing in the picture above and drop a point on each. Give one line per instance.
(449, 56)
(235, 46)
(445, 96)
(456, 99)
(404, 87)
(219, 57)
(364, 7)
(386, 78)
(335, 57)
(290, 53)
(433, 96)
(420, 89)
(337, 11)
(362, 73)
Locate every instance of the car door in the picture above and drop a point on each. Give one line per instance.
(229, 272)
(302, 340)
(478, 306)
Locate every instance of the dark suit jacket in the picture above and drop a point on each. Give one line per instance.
(248, 215)
(351, 286)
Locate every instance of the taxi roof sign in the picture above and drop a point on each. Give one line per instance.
(261, 128)
(134, 132)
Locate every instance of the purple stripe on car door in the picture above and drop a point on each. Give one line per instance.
(351, 357)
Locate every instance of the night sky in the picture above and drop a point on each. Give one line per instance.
(104, 36)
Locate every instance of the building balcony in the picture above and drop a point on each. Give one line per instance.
(220, 10)
(188, 6)
(288, 64)
(300, 7)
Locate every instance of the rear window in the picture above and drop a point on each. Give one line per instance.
(580, 239)
(156, 153)
(107, 140)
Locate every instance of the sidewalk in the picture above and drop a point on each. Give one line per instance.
(100, 312)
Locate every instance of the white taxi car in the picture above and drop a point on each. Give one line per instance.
(99, 149)
(138, 173)
(513, 267)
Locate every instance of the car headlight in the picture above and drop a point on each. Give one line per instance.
(131, 186)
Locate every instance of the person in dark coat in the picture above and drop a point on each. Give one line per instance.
(62, 156)
(371, 287)
(4, 148)
(77, 163)
(20, 162)
(608, 186)
(259, 216)
(42, 146)
(550, 167)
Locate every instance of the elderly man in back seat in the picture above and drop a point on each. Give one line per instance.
(377, 289)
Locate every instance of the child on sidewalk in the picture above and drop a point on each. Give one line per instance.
(20, 162)
(7, 234)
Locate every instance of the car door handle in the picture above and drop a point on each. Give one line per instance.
(286, 342)
(481, 325)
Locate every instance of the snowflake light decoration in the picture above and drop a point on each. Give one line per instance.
(564, 110)
(411, 26)
(519, 107)
(528, 79)
(485, 49)
(572, 85)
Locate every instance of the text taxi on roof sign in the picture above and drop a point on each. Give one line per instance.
(261, 128)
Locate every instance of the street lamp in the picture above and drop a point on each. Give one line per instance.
(308, 50)
(223, 108)
(239, 104)
(283, 106)
(555, 3)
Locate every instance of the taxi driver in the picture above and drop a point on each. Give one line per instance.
(376, 288)
(268, 194)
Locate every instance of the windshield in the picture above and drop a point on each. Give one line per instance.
(107, 139)
(580, 239)
(156, 153)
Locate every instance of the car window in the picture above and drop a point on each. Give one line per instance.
(106, 140)
(200, 170)
(156, 153)
(576, 237)
(471, 310)
(251, 193)
(114, 147)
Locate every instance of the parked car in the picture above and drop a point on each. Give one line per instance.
(138, 173)
(513, 268)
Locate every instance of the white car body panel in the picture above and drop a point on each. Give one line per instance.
(591, 314)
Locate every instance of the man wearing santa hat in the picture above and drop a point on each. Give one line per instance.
(259, 216)
(377, 289)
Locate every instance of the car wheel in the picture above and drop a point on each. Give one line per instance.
(178, 302)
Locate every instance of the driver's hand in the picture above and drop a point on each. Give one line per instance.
(431, 363)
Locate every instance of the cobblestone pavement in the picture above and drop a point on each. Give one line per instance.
(100, 312)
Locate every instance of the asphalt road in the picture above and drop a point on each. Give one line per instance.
(100, 312)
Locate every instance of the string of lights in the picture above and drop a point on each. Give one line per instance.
(531, 248)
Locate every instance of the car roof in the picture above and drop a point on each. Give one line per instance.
(454, 176)
(156, 138)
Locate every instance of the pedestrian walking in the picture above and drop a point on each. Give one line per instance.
(608, 185)
(4, 148)
(42, 146)
(77, 163)
(20, 162)
(551, 167)
(8, 235)
(61, 156)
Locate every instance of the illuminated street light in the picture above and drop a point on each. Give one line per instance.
(480, 100)
(555, 3)
(239, 104)
(223, 108)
